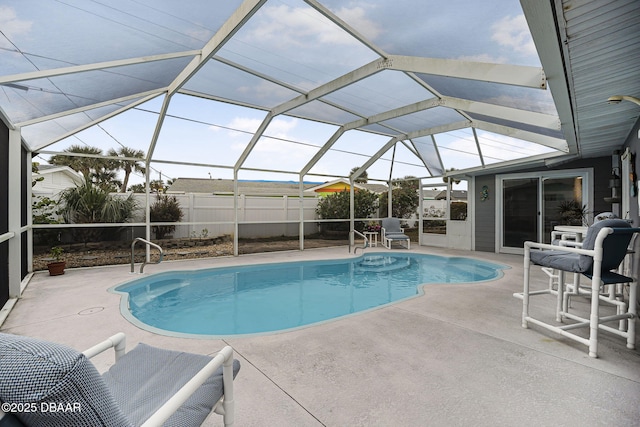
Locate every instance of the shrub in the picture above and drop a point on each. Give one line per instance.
(337, 206)
(405, 199)
(458, 211)
(165, 209)
(90, 204)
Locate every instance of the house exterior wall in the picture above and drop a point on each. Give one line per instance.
(334, 188)
(633, 142)
(485, 215)
(53, 183)
(485, 211)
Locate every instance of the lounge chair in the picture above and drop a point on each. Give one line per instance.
(598, 258)
(391, 231)
(43, 383)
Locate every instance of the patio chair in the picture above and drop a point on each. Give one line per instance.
(48, 384)
(603, 249)
(391, 231)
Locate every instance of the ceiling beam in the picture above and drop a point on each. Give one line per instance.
(346, 27)
(516, 75)
(96, 121)
(547, 141)
(232, 25)
(541, 18)
(325, 89)
(241, 15)
(345, 80)
(146, 95)
(98, 66)
(533, 118)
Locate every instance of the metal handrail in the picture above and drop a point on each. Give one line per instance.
(148, 243)
(351, 238)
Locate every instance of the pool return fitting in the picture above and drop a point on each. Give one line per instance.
(148, 243)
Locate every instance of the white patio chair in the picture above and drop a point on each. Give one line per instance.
(391, 231)
(48, 384)
(603, 250)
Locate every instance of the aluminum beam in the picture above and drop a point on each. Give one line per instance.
(96, 121)
(533, 118)
(98, 66)
(541, 18)
(516, 75)
(548, 141)
(146, 95)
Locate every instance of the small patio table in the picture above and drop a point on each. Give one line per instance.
(373, 238)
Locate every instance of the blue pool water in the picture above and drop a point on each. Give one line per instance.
(274, 297)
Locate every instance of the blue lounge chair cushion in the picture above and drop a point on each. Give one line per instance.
(45, 375)
(614, 250)
(614, 246)
(557, 259)
(391, 225)
(160, 373)
(396, 236)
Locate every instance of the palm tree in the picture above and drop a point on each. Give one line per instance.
(89, 203)
(127, 166)
(84, 165)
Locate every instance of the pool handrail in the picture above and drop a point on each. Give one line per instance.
(352, 234)
(148, 243)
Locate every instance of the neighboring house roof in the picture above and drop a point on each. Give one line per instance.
(343, 183)
(455, 195)
(225, 186)
(431, 194)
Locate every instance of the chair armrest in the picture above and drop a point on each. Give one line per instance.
(224, 358)
(566, 243)
(117, 341)
(570, 249)
(602, 234)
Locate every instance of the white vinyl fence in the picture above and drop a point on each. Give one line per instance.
(258, 216)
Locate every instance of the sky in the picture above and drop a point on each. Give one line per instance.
(216, 133)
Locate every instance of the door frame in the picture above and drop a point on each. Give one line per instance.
(587, 199)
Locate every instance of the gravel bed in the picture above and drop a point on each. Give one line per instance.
(96, 257)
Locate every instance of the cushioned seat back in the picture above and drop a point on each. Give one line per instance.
(614, 246)
(59, 383)
(391, 225)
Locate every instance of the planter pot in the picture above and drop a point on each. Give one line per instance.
(56, 268)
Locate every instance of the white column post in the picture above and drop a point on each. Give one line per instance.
(14, 212)
(29, 236)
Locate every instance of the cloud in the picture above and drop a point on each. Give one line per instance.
(11, 25)
(356, 17)
(513, 33)
(289, 27)
(278, 128)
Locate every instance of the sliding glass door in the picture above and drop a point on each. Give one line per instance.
(531, 205)
(520, 201)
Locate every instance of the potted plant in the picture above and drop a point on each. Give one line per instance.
(56, 267)
(572, 213)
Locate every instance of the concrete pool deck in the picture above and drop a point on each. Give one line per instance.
(454, 356)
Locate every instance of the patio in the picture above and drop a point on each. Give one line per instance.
(455, 356)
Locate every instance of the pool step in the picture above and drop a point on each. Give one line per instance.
(380, 263)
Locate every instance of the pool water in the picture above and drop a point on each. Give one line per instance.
(274, 297)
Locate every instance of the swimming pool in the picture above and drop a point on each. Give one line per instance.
(274, 297)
